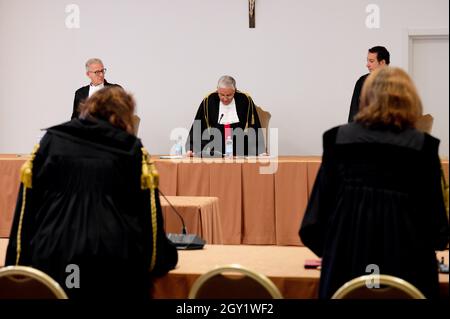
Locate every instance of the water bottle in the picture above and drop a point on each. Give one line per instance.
(229, 146)
(179, 147)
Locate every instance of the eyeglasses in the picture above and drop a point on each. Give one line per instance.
(102, 71)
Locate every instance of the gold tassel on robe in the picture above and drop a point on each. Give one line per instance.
(26, 177)
(150, 180)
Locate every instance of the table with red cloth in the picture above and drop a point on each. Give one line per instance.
(201, 216)
(255, 208)
(284, 265)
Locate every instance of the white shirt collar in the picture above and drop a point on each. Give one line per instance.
(95, 88)
(229, 113)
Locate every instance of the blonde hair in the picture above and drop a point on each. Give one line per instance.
(111, 104)
(389, 98)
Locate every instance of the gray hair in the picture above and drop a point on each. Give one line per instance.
(226, 81)
(92, 61)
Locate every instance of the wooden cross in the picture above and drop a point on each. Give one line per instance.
(251, 13)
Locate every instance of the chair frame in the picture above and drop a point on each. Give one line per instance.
(136, 122)
(261, 279)
(260, 111)
(425, 123)
(32, 273)
(387, 280)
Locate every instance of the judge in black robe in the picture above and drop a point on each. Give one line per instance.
(86, 208)
(82, 94)
(95, 71)
(248, 138)
(377, 201)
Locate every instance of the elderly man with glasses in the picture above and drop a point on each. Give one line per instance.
(222, 115)
(95, 71)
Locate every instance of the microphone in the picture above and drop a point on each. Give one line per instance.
(220, 119)
(184, 241)
(208, 153)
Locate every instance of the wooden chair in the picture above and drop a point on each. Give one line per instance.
(264, 118)
(390, 287)
(233, 282)
(21, 282)
(425, 123)
(136, 121)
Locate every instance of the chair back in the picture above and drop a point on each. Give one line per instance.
(425, 123)
(136, 121)
(264, 118)
(388, 287)
(235, 282)
(21, 282)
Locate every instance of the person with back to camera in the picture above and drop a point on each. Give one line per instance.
(377, 200)
(91, 200)
(226, 112)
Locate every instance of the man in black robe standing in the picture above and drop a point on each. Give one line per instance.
(376, 57)
(226, 112)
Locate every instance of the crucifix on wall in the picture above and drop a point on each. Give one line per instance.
(251, 13)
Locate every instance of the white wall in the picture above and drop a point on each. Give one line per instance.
(429, 69)
(300, 62)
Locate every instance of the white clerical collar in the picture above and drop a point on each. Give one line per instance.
(229, 113)
(95, 88)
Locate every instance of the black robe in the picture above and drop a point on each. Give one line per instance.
(82, 94)
(208, 113)
(354, 105)
(86, 208)
(377, 200)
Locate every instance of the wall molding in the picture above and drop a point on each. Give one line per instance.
(412, 34)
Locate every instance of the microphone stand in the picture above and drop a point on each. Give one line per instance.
(184, 229)
(184, 241)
